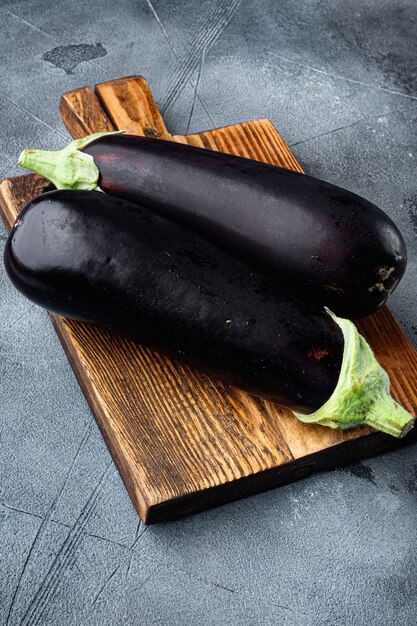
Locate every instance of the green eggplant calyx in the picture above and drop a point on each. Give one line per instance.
(362, 394)
(68, 168)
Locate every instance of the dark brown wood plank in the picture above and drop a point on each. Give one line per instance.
(15, 193)
(182, 441)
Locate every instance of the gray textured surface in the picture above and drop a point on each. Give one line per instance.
(339, 79)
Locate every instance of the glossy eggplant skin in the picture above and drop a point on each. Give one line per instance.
(99, 259)
(326, 243)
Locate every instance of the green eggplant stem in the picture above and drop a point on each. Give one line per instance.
(362, 394)
(68, 168)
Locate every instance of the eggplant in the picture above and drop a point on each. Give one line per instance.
(326, 243)
(91, 257)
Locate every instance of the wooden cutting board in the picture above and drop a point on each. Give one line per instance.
(181, 440)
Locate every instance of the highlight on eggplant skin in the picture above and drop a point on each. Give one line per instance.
(328, 244)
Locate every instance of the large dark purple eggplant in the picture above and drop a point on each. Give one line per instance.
(326, 243)
(91, 257)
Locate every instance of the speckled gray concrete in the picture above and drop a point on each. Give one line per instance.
(339, 79)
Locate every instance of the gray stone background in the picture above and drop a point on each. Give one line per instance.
(339, 79)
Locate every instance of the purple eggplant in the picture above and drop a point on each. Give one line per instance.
(326, 243)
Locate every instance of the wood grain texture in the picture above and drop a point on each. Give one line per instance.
(181, 440)
(15, 193)
(82, 113)
(130, 105)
